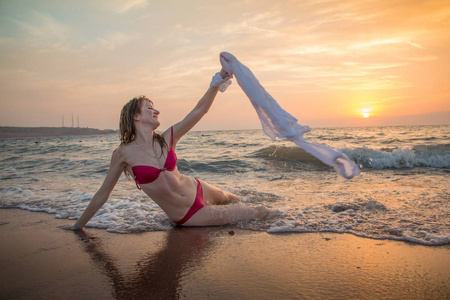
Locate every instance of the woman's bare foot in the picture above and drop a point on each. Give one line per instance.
(262, 213)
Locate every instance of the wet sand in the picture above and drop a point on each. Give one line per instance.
(41, 261)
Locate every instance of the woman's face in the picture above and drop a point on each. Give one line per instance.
(149, 114)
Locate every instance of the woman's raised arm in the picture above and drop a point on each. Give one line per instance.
(200, 109)
(114, 172)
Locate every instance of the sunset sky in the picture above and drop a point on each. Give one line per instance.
(328, 63)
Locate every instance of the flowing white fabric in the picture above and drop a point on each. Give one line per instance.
(276, 122)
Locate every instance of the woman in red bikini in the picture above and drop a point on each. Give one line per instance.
(151, 161)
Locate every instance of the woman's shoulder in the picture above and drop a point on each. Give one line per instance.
(124, 148)
(169, 135)
(122, 152)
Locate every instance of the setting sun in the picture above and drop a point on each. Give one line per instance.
(365, 112)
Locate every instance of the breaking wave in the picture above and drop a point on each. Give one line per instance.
(435, 156)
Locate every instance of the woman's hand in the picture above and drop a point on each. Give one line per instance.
(221, 80)
(224, 74)
(70, 227)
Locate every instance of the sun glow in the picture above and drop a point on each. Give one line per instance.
(365, 112)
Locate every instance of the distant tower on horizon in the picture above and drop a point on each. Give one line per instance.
(78, 121)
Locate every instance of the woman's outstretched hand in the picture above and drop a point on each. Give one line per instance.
(221, 80)
(70, 228)
(224, 74)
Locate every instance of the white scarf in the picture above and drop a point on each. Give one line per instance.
(276, 122)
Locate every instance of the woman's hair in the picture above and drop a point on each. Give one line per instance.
(126, 126)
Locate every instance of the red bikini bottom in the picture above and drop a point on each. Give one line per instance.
(198, 203)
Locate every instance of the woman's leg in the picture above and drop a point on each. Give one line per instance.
(211, 215)
(214, 195)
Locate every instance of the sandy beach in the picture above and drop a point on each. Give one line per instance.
(41, 261)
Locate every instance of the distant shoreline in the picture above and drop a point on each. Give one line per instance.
(22, 132)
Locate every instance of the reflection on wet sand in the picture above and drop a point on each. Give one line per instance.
(199, 263)
(157, 275)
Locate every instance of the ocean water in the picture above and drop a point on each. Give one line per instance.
(402, 194)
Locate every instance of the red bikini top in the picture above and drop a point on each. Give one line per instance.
(146, 174)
